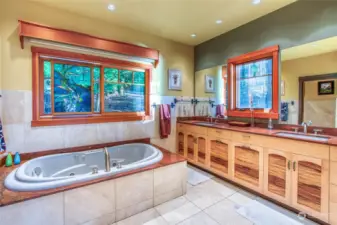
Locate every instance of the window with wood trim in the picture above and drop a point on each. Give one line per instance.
(73, 88)
(253, 84)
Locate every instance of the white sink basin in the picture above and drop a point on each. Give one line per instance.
(303, 136)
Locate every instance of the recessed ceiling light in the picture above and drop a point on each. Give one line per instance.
(193, 35)
(111, 7)
(218, 21)
(256, 2)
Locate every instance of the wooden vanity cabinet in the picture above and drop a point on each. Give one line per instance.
(201, 150)
(310, 186)
(181, 143)
(219, 156)
(248, 166)
(191, 140)
(277, 175)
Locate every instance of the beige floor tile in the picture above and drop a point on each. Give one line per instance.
(225, 213)
(208, 193)
(199, 219)
(177, 210)
(241, 198)
(148, 217)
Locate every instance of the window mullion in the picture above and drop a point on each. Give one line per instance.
(102, 89)
(52, 88)
(92, 89)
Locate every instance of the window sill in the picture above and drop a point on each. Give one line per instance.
(87, 120)
(247, 114)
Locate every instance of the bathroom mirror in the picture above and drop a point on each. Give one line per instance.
(210, 91)
(308, 77)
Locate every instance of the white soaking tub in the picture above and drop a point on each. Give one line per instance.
(59, 170)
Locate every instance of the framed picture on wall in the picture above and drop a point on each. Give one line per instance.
(174, 79)
(326, 87)
(209, 84)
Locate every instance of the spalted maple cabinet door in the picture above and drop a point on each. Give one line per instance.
(181, 137)
(248, 166)
(310, 186)
(219, 156)
(190, 151)
(277, 175)
(201, 149)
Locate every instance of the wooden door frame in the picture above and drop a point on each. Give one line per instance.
(301, 89)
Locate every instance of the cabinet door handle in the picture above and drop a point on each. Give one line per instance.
(245, 136)
(294, 166)
(289, 164)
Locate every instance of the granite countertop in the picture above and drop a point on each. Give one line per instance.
(8, 197)
(263, 131)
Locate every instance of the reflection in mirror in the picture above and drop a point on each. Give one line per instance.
(210, 84)
(308, 76)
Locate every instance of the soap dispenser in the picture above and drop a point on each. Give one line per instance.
(270, 124)
(17, 159)
(9, 160)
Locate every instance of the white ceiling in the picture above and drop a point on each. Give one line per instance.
(173, 19)
(310, 49)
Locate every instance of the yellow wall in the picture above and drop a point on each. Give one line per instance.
(311, 91)
(314, 65)
(16, 63)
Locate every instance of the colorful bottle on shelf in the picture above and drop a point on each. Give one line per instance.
(17, 159)
(9, 160)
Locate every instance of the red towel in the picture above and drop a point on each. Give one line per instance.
(219, 111)
(165, 121)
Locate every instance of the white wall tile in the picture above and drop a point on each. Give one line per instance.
(15, 137)
(134, 189)
(134, 209)
(45, 210)
(111, 132)
(79, 135)
(134, 194)
(90, 203)
(107, 219)
(13, 104)
(43, 138)
(169, 181)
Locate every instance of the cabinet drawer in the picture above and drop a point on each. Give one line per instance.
(219, 133)
(333, 205)
(192, 128)
(196, 129)
(180, 126)
(242, 137)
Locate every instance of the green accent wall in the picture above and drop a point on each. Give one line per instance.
(301, 22)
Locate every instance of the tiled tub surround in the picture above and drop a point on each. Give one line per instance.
(10, 197)
(65, 169)
(16, 115)
(101, 203)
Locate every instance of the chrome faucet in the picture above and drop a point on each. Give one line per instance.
(106, 159)
(305, 126)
